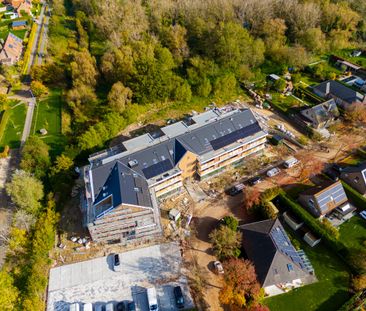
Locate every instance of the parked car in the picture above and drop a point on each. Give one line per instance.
(236, 189)
(179, 299)
(74, 307)
(131, 306)
(99, 308)
(88, 307)
(337, 168)
(218, 267)
(273, 172)
(363, 214)
(121, 306)
(255, 180)
(152, 299)
(116, 263)
(109, 306)
(290, 162)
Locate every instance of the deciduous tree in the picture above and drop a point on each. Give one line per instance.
(9, 293)
(241, 287)
(38, 88)
(35, 156)
(226, 242)
(119, 96)
(251, 197)
(25, 191)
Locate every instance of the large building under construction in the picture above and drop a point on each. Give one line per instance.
(123, 185)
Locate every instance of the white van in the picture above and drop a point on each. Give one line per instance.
(273, 172)
(152, 299)
(88, 307)
(74, 307)
(290, 162)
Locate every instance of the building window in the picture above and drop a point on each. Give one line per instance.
(290, 267)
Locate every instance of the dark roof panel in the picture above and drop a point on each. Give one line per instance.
(157, 169)
(234, 136)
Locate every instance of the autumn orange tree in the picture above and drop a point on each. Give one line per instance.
(241, 289)
(251, 197)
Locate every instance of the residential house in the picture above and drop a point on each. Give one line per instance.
(25, 7)
(342, 94)
(19, 25)
(278, 265)
(322, 115)
(323, 199)
(3, 8)
(157, 165)
(14, 3)
(11, 50)
(355, 176)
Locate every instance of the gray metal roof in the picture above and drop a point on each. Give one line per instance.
(274, 257)
(125, 187)
(197, 139)
(324, 111)
(341, 91)
(147, 160)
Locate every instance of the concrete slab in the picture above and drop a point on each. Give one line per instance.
(95, 281)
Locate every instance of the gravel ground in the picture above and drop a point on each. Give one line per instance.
(95, 281)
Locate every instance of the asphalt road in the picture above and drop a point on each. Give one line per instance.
(43, 39)
(28, 121)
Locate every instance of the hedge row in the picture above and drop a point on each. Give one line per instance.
(303, 91)
(352, 194)
(27, 53)
(355, 301)
(311, 222)
(4, 121)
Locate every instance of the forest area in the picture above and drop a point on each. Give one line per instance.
(120, 58)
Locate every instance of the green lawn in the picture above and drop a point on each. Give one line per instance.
(329, 293)
(14, 127)
(47, 115)
(19, 33)
(353, 232)
(285, 102)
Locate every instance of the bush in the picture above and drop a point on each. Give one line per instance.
(354, 196)
(4, 120)
(231, 222)
(265, 208)
(5, 152)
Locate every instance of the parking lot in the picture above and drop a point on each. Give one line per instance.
(95, 281)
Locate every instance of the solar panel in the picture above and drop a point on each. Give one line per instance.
(234, 136)
(157, 169)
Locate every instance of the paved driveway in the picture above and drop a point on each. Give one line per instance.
(95, 281)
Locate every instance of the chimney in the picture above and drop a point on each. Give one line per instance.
(327, 88)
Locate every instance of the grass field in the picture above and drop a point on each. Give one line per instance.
(353, 232)
(47, 116)
(14, 127)
(329, 293)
